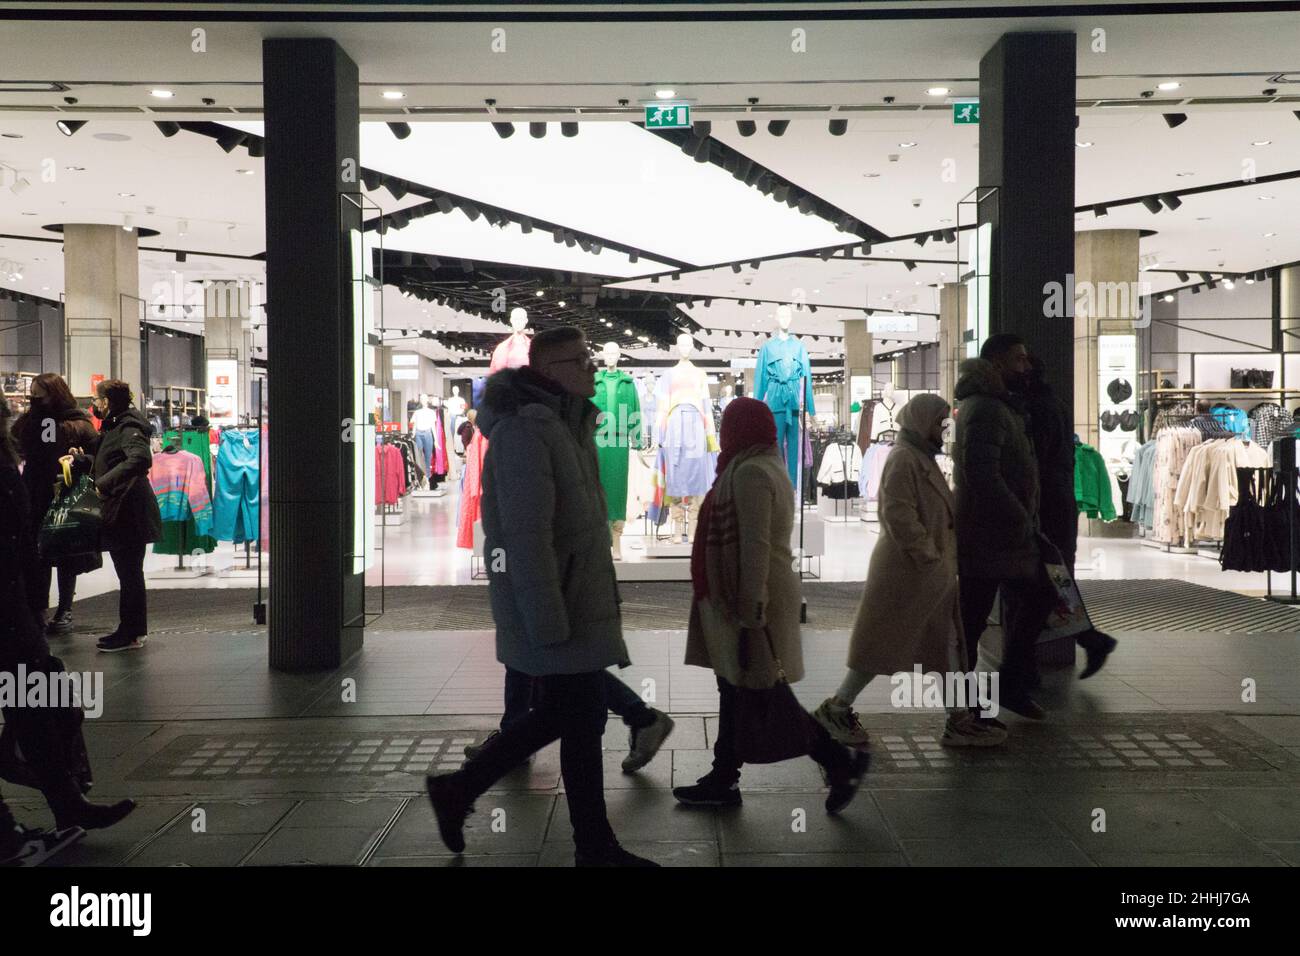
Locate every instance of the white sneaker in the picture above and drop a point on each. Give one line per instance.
(643, 743)
(841, 723)
(969, 732)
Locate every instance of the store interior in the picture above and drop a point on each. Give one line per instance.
(818, 251)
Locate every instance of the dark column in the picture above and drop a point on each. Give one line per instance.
(309, 90)
(1027, 112)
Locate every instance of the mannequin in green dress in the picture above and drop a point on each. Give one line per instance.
(618, 432)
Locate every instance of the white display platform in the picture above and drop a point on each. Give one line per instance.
(814, 535)
(665, 549)
(832, 509)
(659, 569)
(426, 493)
(178, 574)
(393, 518)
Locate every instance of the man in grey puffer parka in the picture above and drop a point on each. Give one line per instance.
(552, 586)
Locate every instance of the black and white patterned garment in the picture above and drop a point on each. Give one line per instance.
(1268, 422)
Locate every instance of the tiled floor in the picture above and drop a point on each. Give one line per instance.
(1158, 760)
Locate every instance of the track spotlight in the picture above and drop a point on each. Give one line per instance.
(167, 127)
(536, 130)
(654, 280)
(1206, 278)
(1099, 211)
(68, 127)
(1152, 204)
(504, 130)
(570, 240)
(432, 262)
(471, 211)
(228, 140)
(633, 256)
(525, 225)
(754, 174)
(584, 244)
(807, 204)
(400, 219)
(698, 149)
(781, 192)
(754, 264)
(735, 267)
(1171, 201)
(702, 127)
(839, 127)
(950, 235)
(922, 239)
(569, 129)
(257, 147)
(444, 203)
(371, 180)
(865, 248)
(467, 266)
(1182, 276)
(180, 256)
(1174, 119)
(557, 236)
(400, 130)
(911, 266)
(748, 127)
(778, 127)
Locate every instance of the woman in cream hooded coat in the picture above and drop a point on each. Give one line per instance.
(910, 615)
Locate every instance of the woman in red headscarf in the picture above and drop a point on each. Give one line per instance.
(745, 610)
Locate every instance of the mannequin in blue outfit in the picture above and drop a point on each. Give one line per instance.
(782, 364)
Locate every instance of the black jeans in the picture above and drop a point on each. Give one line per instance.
(67, 586)
(570, 707)
(133, 606)
(833, 758)
(1028, 601)
(619, 698)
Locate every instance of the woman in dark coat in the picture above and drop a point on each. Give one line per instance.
(51, 428)
(42, 732)
(131, 517)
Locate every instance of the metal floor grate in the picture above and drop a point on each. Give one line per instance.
(1147, 605)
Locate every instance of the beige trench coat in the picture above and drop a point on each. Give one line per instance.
(910, 612)
(769, 584)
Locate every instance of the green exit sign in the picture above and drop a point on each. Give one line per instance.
(963, 113)
(668, 116)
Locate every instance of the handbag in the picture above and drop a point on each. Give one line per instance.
(71, 527)
(770, 725)
(1240, 378)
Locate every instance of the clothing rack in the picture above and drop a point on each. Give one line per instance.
(1284, 459)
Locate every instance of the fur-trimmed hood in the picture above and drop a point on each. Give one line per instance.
(978, 377)
(513, 391)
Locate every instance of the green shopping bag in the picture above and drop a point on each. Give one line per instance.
(71, 526)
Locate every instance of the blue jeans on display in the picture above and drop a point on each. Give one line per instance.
(619, 698)
(787, 441)
(424, 442)
(236, 491)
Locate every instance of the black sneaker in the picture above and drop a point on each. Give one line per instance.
(121, 642)
(843, 789)
(450, 807)
(61, 624)
(1098, 647)
(474, 750)
(1022, 704)
(612, 855)
(708, 791)
(29, 847)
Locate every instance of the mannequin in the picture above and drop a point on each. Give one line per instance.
(427, 431)
(455, 404)
(728, 393)
(782, 365)
(688, 444)
(513, 350)
(618, 433)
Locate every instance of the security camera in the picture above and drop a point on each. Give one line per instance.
(209, 101)
(916, 204)
(1147, 94)
(889, 99)
(70, 100)
(1271, 91)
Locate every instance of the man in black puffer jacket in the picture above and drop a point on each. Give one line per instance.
(131, 517)
(997, 495)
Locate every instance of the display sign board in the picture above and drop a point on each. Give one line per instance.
(667, 116)
(964, 114)
(877, 324)
(744, 363)
(223, 391)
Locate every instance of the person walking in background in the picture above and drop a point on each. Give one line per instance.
(910, 615)
(552, 588)
(743, 569)
(997, 495)
(43, 733)
(50, 428)
(131, 517)
(1051, 431)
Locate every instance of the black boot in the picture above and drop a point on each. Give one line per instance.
(77, 811)
(61, 623)
(611, 855)
(1098, 647)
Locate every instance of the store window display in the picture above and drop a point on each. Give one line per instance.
(782, 373)
(688, 443)
(618, 435)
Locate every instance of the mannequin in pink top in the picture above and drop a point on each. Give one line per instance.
(511, 353)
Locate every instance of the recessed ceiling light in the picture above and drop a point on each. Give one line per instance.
(1083, 144)
(1184, 174)
(871, 175)
(162, 94)
(394, 95)
(1265, 197)
(12, 135)
(245, 172)
(126, 195)
(538, 292)
(665, 94)
(1202, 218)
(561, 303)
(938, 91)
(1262, 142)
(907, 145)
(1267, 235)
(1168, 297)
(1168, 85)
(29, 214)
(75, 169)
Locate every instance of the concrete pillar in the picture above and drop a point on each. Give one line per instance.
(1027, 151)
(1288, 280)
(952, 337)
(227, 337)
(1106, 301)
(315, 364)
(102, 306)
(858, 358)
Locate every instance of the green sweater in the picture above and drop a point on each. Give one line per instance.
(1092, 484)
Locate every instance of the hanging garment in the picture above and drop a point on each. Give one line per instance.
(783, 366)
(840, 468)
(1207, 485)
(687, 442)
(864, 426)
(618, 432)
(1141, 485)
(390, 474)
(1269, 422)
(236, 502)
(1092, 491)
(873, 469)
(440, 457)
(1173, 445)
(181, 489)
(1232, 419)
(183, 537)
(511, 352)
